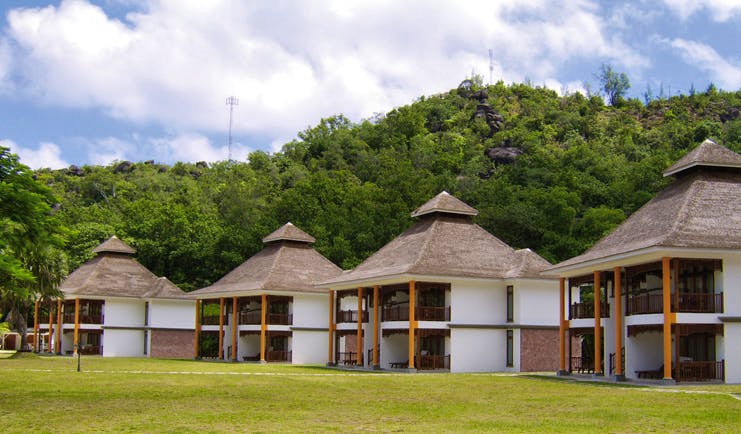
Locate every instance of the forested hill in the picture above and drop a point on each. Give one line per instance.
(546, 172)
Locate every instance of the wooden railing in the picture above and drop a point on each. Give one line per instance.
(91, 350)
(69, 318)
(702, 371)
(586, 310)
(701, 303)
(434, 362)
(345, 316)
(250, 317)
(644, 304)
(280, 318)
(278, 356)
(582, 365)
(210, 320)
(422, 313)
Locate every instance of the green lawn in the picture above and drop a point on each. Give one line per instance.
(46, 394)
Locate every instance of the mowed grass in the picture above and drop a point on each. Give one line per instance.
(46, 394)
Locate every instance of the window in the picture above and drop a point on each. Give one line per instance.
(510, 348)
(146, 342)
(510, 303)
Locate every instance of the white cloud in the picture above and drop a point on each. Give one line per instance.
(47, 155)
(725, 73)
(174, 62)
(721, 10)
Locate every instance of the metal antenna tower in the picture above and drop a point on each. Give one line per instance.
(231, 102)
(491, 66)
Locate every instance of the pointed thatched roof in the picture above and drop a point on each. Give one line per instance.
(445, 203)
(114, 245)
(113, 272)
(446, 244)
(700, 209)
(287, 263)
(707, 154)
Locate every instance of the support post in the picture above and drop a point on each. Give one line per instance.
(263, 326)
(221, 328)
(597, 325)
(668, 317)
(330, 345)
(376, 327)
(562, 327)
(412, 323)
(235, 322)
(58, 340)
(617, 272)
(36, 326)
(197, 331)
(51, 322)
(360, 328)
(76, 335)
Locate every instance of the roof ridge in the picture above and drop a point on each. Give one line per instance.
(273, 264)
(427, 240)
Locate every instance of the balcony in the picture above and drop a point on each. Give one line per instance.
(69, 318)
(280, 318)
(586, 310)
(687, 303)
(702, 371)
(429, 362)
(250, 317)
(422, 313)
(278, 356)
(350, 316)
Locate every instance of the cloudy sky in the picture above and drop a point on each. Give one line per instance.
(89, 82)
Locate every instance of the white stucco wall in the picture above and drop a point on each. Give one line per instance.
(732, 285)
(172, 314)
(480, 302)
(123, 343)
(536, 302)
(310, 347)
(480, 350)
(124, 313)
(733, 352)
(394, 348)
(311, 310)
(643, 353)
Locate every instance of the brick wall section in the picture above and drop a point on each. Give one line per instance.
(538, 350)
(172, 344)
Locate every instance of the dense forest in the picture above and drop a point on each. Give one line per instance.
(552, 173)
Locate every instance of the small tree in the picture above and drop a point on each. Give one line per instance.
(613, 83)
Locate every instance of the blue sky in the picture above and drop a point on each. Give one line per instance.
(90, 82)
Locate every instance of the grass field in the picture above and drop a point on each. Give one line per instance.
(46, 394)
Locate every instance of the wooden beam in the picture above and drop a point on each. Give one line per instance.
(667, 329)
(597, 324)
(235, 321)
(58, 341)
(221, 328)
(263, 326)
(562, 325)
(330, 346)
(376, 326)
(360, 328)
(617, 271)
(197, 331)
(76, 336)
(36, 326)
(412, 323)
(51, 322)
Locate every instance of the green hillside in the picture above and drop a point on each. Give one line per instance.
(547, 172)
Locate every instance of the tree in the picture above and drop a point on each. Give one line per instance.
(613, 83)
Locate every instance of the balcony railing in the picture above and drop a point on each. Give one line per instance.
(347, 358)
(701, 303)
(69, 318)
(253, 317)
(350, 316)
(582, 365)
(702, 371)
(586, 310)
(434, 362)
(280, 318)
(278, 356)
(210, 320)
(690, 303)
(422, 313)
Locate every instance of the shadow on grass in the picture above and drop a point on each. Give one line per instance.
(585, 381)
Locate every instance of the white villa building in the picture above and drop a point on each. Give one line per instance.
(668, 279)
(113, 306)
(445, 295)
(268, 309)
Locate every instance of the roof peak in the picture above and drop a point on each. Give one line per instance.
(709, 154)
(446, 203)
(114, 245)
(289, 232)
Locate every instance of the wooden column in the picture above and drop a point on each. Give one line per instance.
(263, 326)
(412, 323)
(36, 326)
(51, 322)
(360, 327)
(76, 336)
(235, 322)
(221, 328)
(197, 331)
(597, 325)
(58, 340)
(330, 346)
(562, 326)
(668, 316)
(376, 327)
(617, 271)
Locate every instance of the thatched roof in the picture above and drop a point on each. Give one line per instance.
(445, 203)
(113, 272)
(700, 209)
(287, 263)
(707, 154)
(445, 244)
